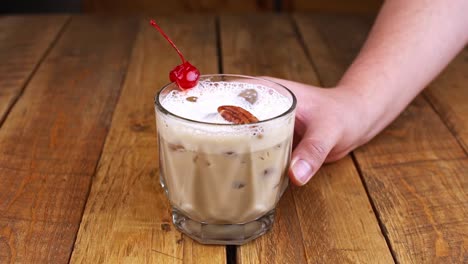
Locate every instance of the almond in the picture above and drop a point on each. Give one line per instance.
(236, 114)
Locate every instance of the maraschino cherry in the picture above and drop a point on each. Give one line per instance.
(185, 75)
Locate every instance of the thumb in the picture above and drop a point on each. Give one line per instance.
(309, 155)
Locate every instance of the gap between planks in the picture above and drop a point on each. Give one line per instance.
(383, 230)
(124, 78)
(445, 122)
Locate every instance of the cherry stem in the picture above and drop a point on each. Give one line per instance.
(153, 23)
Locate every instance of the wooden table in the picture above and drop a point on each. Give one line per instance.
(78, 149)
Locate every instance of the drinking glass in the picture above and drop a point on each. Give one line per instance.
(223, 181)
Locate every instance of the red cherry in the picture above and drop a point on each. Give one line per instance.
(185, 75)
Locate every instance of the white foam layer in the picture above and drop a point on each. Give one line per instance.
(210, 95)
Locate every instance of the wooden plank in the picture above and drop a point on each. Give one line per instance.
(337, 220)
(416, 135)
(24, 40)
(415, 171)
(283, 244)
(424, 208)
(264, 44)
(334, 6)
(332, 57)
(175, 6)
(449, 95)
(52, 139)
(305, 229)
(127, 216)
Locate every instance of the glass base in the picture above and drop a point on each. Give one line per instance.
(223, 234)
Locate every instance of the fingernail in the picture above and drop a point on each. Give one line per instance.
(302, 170)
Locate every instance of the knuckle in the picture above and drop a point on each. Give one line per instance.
(317, 150)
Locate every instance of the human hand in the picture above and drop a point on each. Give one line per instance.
(329, 124)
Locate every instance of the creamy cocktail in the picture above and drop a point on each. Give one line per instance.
(224, 178)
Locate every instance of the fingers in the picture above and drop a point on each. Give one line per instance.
(317, 142)
(309, 155)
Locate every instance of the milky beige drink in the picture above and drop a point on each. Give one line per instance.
(224, 179)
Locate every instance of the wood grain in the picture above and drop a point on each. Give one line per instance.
(452, 103)
(424, 207)
(332, 57)
(283, 244)
(337, 220)
(24, 40)
(52, 139)
(415, 171)
(311, 220)
(418, 134)
(127, 216)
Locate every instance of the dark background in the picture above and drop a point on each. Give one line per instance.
(40, 6)
(187, 6)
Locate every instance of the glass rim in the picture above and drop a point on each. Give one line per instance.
(167, 112)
